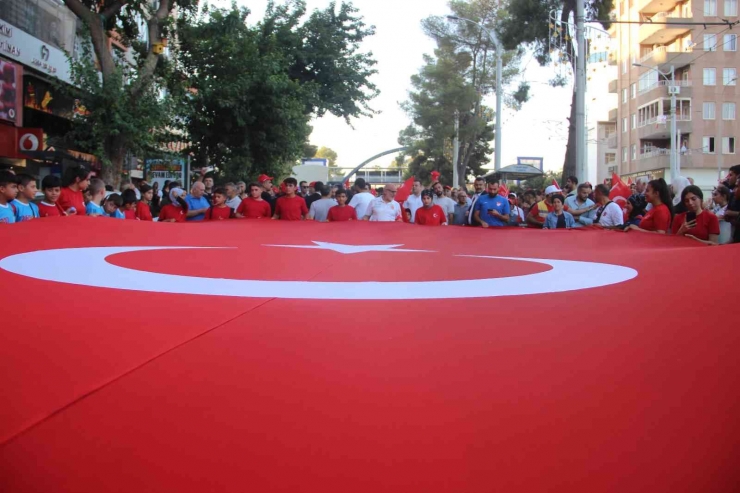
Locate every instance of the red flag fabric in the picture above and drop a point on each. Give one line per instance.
(435, 176)
(140, 356)
(503, 190)
(620, 191)
(555, 182)
(404, 190)
(629, 181)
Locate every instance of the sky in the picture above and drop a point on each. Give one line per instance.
(539, 129)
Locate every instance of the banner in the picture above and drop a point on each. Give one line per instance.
(161, 170)
(260, 355)
(11, 78)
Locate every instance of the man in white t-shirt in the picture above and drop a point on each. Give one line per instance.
(609, 214)
(361, 198)
(414, 201)
(384, 208)
(446, 203)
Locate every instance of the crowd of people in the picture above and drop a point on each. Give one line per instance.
(653, 206)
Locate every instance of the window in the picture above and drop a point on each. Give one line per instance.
(728, 111)
(710, 77)
(634, 121)
(707, 144)
(728, 145)
(624, 66)
(710, 42)
(634, 151)
(730, 43)
(624, 95)
(633, 91)
(710, 8)
(730, 8)
(624, 124)
(624, 154)
(708, 110)
(729, 76)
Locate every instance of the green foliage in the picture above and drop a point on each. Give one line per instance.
(329, 154)
(540, 182)
(254, 89)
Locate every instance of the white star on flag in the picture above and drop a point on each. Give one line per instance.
(340, 248)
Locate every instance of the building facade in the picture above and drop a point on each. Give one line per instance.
(704, 62)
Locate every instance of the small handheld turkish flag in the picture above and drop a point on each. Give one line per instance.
(435, 176)
(620, 191)
(405, 190)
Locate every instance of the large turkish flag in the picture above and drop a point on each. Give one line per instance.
(364, 357)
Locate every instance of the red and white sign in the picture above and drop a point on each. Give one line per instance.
(258, 355)
(14, 141)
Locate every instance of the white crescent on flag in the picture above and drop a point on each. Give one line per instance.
(63, 265)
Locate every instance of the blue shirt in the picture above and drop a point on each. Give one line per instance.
(498, 203)
(93, 208)
(195, 204)
(117, 214)
(6, 214)
(24, 212)
(551, 221)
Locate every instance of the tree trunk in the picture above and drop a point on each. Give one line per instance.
(115, 150)
(569, 165)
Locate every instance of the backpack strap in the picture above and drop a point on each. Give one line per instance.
(601, 211)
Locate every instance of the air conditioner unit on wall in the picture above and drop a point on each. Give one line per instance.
(674, 90)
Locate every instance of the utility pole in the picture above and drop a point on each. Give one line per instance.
(581, 163)
(456, 150)
(674, 145)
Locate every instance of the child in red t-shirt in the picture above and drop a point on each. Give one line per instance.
(75, 181)
(49, 207)
(290, 207)
(429, 214)
(143, 212)
(254, 206)
(342, 211)
(128, 197)
(219, 210)
(177, 210)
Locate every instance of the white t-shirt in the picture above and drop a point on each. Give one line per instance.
(360, 201)
(380, 210)
(319, 210)
(412, 203)
(446, 203)
(611, 216)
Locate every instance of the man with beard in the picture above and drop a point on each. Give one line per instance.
(492, 209)
(446, 203)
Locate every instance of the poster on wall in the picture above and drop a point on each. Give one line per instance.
(42, 96)
(166, 169)
(11, 77)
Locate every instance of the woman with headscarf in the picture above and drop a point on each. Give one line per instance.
(176, 211)
(677, 186)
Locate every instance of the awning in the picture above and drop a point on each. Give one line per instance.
(517, 172)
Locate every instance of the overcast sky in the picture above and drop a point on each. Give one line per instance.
(539, 129)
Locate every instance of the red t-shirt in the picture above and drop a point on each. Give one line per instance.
(69, 198)
(217, 213)
(129, 213)
(346, 213)
(706, 224)
(657, 219)
(50, 210)
(143, 212)
(434, 216)
(169, 211)
(254, 209)
(291, 208)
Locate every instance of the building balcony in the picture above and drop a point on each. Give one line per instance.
(611, 58)
(653, 33)
(651, 129)
(613, 115)
(613, 88)
(660, 159)
(660, 88)
(662, 58)
(611, 141)
(655, 6)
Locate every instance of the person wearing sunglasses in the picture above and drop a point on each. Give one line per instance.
(384, 208)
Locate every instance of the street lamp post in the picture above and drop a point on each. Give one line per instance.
(672, 90)
(499, 89)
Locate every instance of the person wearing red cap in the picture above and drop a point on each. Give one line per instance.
(430, 214)
(290, 207)
(268, 194)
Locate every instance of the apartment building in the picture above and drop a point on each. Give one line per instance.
(704, 60)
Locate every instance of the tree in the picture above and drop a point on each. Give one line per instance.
(457, 78)
(254, 89)
(125, 111)
(528, 22)
(329, 154)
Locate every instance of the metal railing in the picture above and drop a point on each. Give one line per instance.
(664, 83)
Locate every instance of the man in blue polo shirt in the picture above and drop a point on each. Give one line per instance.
(197, 203)
(492, 209)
